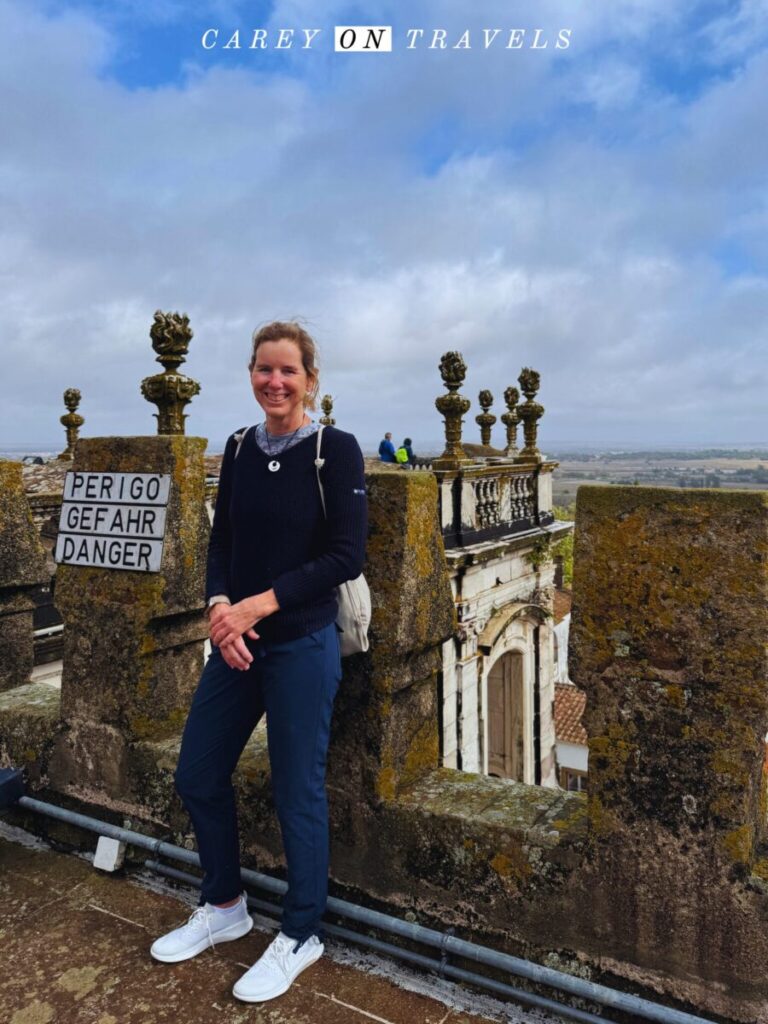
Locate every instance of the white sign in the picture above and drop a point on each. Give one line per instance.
(113, 520)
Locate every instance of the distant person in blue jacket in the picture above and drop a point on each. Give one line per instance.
(387, 449)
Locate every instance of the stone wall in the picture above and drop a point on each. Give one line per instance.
(133, 643)
(22, 571)
(668, 640)
(657, 879)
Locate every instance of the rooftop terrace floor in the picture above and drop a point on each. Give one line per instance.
(76, 943)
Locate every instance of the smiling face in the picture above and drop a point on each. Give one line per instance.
(280, 384)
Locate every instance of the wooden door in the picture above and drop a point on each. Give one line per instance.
(506, 718)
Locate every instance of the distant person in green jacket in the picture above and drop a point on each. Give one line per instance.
(404, 455)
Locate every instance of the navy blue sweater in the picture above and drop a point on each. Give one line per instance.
(269, 530)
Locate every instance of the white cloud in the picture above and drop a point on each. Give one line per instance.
(740, 32)
(404, 208)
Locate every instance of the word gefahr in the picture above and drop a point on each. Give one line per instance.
(136, 520)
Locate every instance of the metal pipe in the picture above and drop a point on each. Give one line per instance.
(425, 962)
(184, 876)
(536, 973)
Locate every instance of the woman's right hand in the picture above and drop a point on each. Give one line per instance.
(235, 653)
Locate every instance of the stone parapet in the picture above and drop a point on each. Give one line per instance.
(633, 883)
(386, 731)
(668, 640)
(133, 640)
(22, 570)
(29, 724)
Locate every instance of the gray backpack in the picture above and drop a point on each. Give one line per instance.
(354, 596)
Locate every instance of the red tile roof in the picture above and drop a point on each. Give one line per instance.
(49, 478)
(569, 707)
(563, 602)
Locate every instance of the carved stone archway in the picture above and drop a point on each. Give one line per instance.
(499, 621)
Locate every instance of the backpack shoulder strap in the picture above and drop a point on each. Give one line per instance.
(319, 463)
(239, 435)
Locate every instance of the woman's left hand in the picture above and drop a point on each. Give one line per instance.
(238, 620)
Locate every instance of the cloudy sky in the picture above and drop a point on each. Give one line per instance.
(596, 212)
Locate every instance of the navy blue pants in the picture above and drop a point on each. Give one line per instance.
(295, 684)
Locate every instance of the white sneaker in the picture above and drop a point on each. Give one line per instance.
(277, 969)
(206, 927)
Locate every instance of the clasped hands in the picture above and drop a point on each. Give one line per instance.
(231, 623)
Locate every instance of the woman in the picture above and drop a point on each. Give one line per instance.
(274, 562)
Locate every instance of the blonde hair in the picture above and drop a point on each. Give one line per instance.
(289, 330)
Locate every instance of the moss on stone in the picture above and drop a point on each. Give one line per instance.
(675, 695)
(739, 843)
(412, 600)
(143, 727)
(511, 869)
(386, 783)
(422, 754)
(669, 617)
(29, 724)
(602, 821)
(22, 558)
(609, 754)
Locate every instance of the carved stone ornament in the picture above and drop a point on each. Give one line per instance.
(530, 413)
(326, 404)
(465, 631)
(71, 421)
(171, 335)
(510, 419)
(170, 391)
(452, 406)
(485, 419)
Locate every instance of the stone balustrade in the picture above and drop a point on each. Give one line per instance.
(492, 499)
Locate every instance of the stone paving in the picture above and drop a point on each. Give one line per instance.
(76, 943)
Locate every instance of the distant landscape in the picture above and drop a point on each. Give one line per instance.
(726, 467)
(706, 467)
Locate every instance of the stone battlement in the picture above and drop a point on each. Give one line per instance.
(655, 877)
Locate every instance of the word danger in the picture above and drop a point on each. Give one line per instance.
(106, 553)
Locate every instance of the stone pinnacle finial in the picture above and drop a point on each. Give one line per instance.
(452, 406)
(71, 421)
(485, 419)
(326, 404)
(170, 391)
(530, 413)
(510, 419)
